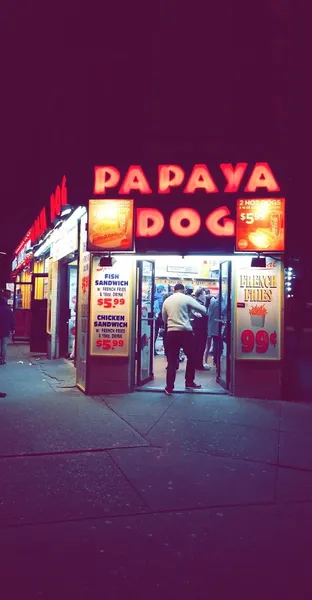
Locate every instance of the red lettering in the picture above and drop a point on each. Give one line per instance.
(215, 227)
(43, 221)
(57, 200)
(63, 192)
(150, 222)
(200, 178)
(185, 222)
(262, 177)
(233, 175)
(169, 176)
(135, 180)
(52, 208)
(104, 178)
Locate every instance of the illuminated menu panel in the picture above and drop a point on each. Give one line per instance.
(110, 225)
(110, 309)
(260, 225)
(258, 311)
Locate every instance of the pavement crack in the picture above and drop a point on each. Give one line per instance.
(150, 513)
(68, 452)
(129, 482)
(161, 416)
(124, 420)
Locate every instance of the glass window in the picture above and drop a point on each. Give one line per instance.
(22, 296)
(25, 277)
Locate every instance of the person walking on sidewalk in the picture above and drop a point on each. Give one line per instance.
(6, 327)
(175, 313)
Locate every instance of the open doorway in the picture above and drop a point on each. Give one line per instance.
(156, 277)
(67, 308)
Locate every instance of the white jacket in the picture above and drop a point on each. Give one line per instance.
(175, 311)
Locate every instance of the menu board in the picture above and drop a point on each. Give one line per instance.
(258, 311)
(260, 225)
(82, 308)
(110, 308)
(110, 225)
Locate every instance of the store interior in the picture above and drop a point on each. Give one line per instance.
(195, 272)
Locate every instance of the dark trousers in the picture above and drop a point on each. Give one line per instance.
(165, 342)
(217, 348)
(158, 324)
(200, 345)
(175, 341)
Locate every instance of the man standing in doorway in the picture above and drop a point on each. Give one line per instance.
(175, 313)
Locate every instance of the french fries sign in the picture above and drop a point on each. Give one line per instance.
(258, 311)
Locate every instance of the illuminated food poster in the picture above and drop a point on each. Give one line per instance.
(110, 225)
(260, 225)
(110, 309)
(82, 309)
(259, 311)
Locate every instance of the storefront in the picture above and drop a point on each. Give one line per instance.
(219, 229)
(51, 270)
(21, 293)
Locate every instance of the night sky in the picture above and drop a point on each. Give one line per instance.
(86, 80)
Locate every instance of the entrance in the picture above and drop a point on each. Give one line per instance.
(156, 277)
(22, 311)
(67, 308)
(39, 307)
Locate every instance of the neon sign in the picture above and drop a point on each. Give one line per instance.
(184, 222)
(173, 176)
(57, 201)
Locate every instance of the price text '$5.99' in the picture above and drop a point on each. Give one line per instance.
(110, 303)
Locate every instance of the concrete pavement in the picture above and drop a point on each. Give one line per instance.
(145, 496)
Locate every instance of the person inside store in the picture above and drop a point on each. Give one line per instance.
(189, 290)
(199, 324)
(176, 316)
(214, 325)
(208, 339)
(158, 302)
(6, 327)
(166, 295)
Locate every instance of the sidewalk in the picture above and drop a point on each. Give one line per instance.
(145, 496)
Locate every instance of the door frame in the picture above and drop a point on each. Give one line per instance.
(225, 383)
(35, 276)
(15, 337)
(138, 320)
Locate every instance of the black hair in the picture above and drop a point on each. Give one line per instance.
(179, 287)
(199, 292)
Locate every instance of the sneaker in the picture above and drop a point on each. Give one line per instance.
(207, 367)
(168, 392)
(2, 395)
(193, 386)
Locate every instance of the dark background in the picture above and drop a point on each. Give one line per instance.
(82, 81)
